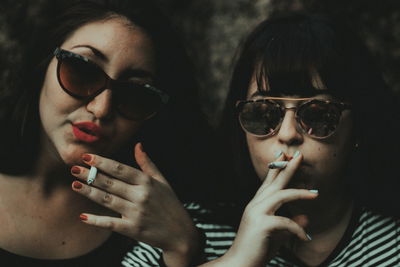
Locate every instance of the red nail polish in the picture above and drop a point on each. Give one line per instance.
(75, 170)
(76, 185)
(83, 217)
(86, 158)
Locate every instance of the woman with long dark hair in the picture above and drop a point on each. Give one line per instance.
(97, 78)
(313, 128)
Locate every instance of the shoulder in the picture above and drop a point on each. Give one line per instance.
(375, 240)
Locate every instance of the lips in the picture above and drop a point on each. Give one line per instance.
(88, 132)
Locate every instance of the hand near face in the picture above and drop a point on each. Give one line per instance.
(150, 211)
(261, 232)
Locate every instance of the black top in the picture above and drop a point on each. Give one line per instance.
(109, 254)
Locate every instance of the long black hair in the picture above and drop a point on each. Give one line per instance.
(289, 49)
(170, 138)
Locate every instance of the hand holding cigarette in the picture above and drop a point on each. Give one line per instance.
(282, 164)
(145, 206)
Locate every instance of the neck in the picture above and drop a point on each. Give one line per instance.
(326, 225)
(50, 176)
(50, 169)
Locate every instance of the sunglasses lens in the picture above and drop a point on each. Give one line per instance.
(260, 118)
(83, 79)
(137, 102)
(80, 78)
(319, 119)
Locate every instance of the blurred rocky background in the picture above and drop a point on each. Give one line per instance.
(212, 30)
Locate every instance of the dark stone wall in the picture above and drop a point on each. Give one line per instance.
(212, 30)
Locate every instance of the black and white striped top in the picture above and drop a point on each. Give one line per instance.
(370, 240)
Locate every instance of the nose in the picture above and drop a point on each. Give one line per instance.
(101, 105)
(288, 133)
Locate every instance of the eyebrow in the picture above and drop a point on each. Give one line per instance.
(138, 73)
(95, 51)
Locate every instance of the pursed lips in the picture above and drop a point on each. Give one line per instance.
(87, 131)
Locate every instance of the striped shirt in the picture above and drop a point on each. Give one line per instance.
(370, 240)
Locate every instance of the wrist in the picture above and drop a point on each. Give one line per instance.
(188, 252)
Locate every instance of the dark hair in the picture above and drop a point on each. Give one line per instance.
(168, 138)
(289, 49)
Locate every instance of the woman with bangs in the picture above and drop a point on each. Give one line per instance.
(313, 128)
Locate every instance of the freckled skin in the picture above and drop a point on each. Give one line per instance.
(325, 172)
(126, 47)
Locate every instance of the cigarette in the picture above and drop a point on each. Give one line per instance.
(92, 175)
(277, 164)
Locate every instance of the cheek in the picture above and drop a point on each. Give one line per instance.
(331, 160)
(53, 100)
(260, 154)
(126, 130)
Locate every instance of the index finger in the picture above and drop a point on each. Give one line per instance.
(115, 169)
(287, 174)
(271, 176)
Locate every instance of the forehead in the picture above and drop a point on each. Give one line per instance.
(116, 38)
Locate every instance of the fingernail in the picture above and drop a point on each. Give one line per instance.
(308, 237)
(75, 170)
(278, 153)
(314, 191)
(76, 185)
(86, 158)
(277, 164)
(296, 154)
(83, 217)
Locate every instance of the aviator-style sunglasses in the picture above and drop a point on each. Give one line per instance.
(83, 79)
(316, 118)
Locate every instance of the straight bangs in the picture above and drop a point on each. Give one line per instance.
(300, 57)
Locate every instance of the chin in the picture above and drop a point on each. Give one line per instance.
(300, 207)
(73, 156)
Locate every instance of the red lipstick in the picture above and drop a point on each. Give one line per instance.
(86, 131)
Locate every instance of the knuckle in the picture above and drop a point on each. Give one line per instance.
(108, 183)
(118, 168)
(137, 227)
(89, 191)
(109, 225)
(126, 191)
(143, 197)
(107, 199)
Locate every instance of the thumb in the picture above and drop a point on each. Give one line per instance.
(146, 165)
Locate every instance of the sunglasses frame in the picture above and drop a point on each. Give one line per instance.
(110, 83)
(240, 103)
